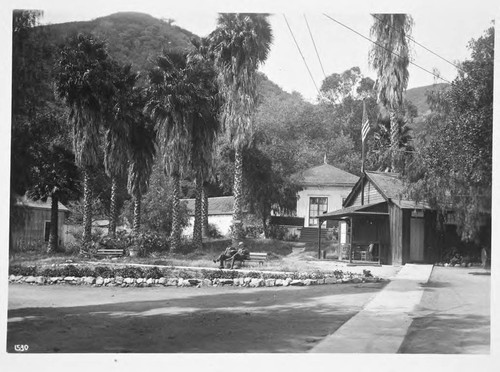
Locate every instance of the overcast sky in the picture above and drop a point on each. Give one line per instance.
(445, 27)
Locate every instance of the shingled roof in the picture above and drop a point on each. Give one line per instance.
(216, 206)
(392, 187)
(24, 201)
(325, 175)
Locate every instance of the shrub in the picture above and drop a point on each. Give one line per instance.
(213, 232)
(253, 231)
(277, 232)
(148, 242)
(153, 273)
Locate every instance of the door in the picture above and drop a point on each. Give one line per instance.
(416, 239)
(317, 206)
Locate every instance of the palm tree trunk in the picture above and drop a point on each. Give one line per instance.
(394, 139)
(87, 208)
(197, 228)
(175, 235)
(136, 226)
(113, 210)
(54, 222)
(205, 212)
(237, 227)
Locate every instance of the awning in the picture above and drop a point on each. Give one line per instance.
(355, 210)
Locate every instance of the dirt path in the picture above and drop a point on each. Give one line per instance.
(162, 320)
(454, 314)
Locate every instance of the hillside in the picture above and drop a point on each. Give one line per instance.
(131, 37)
(418, 96)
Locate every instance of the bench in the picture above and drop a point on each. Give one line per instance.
(109, 252)
(259, 257)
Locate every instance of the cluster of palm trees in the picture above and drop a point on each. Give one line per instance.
(188, 100)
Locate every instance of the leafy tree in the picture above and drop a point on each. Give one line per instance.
(84, 81)
(240, 43)
(390, 57)
(56, 178)
(453, 165)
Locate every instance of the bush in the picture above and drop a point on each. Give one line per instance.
(213, 232)
(277, 232)
(148, 242)
(253, 231)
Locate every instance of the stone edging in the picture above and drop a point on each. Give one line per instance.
(179, 282)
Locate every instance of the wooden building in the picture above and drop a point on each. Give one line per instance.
(377, 212)
(31, 229)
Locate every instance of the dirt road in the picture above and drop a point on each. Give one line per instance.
(454, 314)
(74, 319)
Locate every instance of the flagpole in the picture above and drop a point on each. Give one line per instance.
(363, 136)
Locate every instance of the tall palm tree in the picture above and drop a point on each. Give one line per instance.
(204, 132)
(170, 105)
(84, 82)
(121, 116)
(390, 57)
(142, 151)
(240, 43)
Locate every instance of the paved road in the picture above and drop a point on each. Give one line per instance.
(454, 314)
(74, 319)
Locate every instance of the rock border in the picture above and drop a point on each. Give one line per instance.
(180, 282)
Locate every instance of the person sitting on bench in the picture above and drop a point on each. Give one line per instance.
(226, 255)
(241, 255)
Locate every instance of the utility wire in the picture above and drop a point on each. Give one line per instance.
(301, 54)
(430, 51)
(312, 39)
(390, 51)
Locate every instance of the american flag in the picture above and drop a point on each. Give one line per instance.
(365, 124)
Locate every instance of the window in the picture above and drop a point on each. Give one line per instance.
(317, 206)
(47, 230)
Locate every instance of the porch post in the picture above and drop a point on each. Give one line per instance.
(350, 240)
(319, 239)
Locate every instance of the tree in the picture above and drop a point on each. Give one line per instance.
(453, 165)
(173, 97)
(120, 117)
(240, 43)
(84, 82)
(206, 127)
(390, 57)
(141, 154)
(56, 178)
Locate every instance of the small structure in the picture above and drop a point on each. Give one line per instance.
(324, 188)
(377, 212)
(220, 214)
(31, 228)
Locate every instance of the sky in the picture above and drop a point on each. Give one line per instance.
(445, 27)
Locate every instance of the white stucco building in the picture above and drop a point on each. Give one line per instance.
(220, 214)
(324, 188)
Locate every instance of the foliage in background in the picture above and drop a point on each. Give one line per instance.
(453, 165)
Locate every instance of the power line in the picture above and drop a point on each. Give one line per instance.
(301, 54)
(430, 51)
(390, 51)
(317, 54)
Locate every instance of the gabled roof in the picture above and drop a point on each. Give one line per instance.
(216, 206)
(391, 187)
(24, 201)
(325, 175)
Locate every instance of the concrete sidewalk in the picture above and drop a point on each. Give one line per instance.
(382, 325)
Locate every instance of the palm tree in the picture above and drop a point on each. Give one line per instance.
(83, 81)
(390, 57)
(142, 151)
(204, 131)
(117, 136)
(171, 106)
(240, 43)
